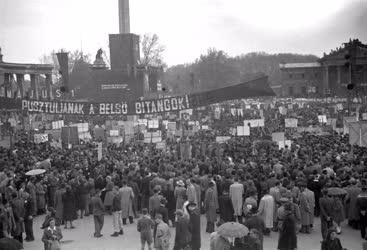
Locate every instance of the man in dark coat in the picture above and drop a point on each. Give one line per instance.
(145, 190)
(183, 231)
(226, 211)
(28, 217)
(98, 213)
(362, 207)
(154, 202)
(253, 221)
(162, 210)
(194, 213)
(17, 206)
(69, 202)
(326, 210)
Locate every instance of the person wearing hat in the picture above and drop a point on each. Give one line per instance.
(351, 202)
(326, 210)
(98, 213)
(183, 231)
(162, 209)
(162, 235)
(144, 227)
(154, 202)
(287, 232)
(210, 203)
(362, 208)
(180, 194)
(253, 221)
(331, 242)
(194, 213)
(306, 205)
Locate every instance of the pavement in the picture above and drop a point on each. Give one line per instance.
(81, 238)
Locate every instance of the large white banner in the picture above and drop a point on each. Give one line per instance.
(254, 123)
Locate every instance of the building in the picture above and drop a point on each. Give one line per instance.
(330, 75)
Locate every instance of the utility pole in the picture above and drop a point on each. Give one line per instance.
(351, 59)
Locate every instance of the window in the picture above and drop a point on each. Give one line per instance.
(303, 75)
(304, 90)
(290, 75)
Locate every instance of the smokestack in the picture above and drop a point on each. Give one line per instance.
(124, 17)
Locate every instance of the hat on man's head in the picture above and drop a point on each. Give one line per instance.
(180, 183)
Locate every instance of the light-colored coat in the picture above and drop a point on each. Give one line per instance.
(305, 209)
(191, 194)
(162, 236)
(266, 210)
(126, 197)
(311, 199)
(180, 193)
(236, 194)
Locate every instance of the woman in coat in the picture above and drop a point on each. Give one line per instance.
(52, 236)
(126, 196)
(331, 242)
(69, 213)
(180, 194)
(338, 214)
(41, 200)
(109, 195)
(194, 214)
(287, 234)
(59, 205)
(210, 207)
(226, 211)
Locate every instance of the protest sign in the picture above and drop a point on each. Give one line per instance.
(222, 139)
(278, 136)
(322, 118)
(254, 123)
(114, 133)
(40, 138)
(160, 145)
(243, 130)
(291, 122)
(346, 121)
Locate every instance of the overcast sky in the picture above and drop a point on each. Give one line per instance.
(187, 28)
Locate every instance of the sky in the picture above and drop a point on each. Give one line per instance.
(187, 28)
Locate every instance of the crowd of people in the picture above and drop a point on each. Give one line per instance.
(248, 180)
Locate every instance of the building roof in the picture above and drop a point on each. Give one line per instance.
(299, 65)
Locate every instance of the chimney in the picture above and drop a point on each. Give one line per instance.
(124, 17)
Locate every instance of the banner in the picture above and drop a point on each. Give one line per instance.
(291, 122)
(255, 86)
(243, 130)
(254, 123)
(322, 118)
(40, 138)
(358, 133)
(278, 136)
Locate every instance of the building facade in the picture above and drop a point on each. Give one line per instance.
(330, 75)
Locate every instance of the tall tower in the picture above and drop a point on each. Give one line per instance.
(124, 17)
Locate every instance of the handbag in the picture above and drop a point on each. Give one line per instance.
(55, 245)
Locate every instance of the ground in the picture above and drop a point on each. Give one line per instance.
(81, 238)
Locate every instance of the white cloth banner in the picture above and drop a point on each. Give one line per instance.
(254, 123)
(243, 130)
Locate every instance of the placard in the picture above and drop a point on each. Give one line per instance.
(153, 123)
(160, 145)
(243, 130)
(40, 138)
(254, 123)
(322, 118)
(278, 136)
(205, 127)
(291, 122)
(114, 133)
(57, 124)
(222, 139)
(171, 126)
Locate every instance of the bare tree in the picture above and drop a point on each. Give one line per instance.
(152, 51)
